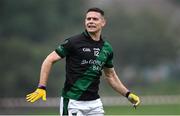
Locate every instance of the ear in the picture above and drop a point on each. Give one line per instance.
(103, 22)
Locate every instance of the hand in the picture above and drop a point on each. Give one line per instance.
(134, 99)
(39, 93)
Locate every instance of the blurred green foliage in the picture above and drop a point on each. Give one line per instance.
(37, 19)
(30, 30)
(143, 39)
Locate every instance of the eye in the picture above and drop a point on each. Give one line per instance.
(89, 18)
(92, 18)
(95, 19)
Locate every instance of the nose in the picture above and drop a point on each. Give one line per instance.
(90, 22)
(91, 19)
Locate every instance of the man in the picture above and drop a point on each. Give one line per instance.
(87, 54)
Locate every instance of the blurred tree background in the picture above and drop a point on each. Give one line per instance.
(144, 34)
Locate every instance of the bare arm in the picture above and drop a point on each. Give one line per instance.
(45, 70)
(114, 81)
(46, 67)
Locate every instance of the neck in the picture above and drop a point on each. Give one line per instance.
(95, 36)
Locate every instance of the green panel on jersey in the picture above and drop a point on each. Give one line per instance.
(79, 87)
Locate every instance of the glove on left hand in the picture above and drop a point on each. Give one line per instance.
(39, 93)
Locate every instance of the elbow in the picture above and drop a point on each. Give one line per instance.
(109, 78)
(49, 61)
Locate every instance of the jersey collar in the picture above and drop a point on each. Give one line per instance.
(89, 37)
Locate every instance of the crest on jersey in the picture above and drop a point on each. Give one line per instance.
(86, 50)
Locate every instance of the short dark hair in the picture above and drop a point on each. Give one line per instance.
(95, 9)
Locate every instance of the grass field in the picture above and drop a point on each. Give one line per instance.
(144, 110)
(113, 110)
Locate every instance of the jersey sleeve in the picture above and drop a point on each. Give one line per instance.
(64, 49)
(109, 62)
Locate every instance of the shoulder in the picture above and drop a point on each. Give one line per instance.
(75, 38)
(108, 46)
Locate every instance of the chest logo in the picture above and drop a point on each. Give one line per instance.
(86, 50)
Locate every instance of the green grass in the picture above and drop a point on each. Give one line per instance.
(114, 110)
(144, 110)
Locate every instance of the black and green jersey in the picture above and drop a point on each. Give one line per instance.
(85, 59)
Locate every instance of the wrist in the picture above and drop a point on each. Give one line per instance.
(42, 87)
(127, 94)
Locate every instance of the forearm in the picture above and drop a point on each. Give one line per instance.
(45, 70)
(46, 67)
(117, 85)
(44, 73)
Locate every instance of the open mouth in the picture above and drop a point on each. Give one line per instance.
(91, 26)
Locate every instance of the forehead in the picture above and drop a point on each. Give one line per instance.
(93, 14)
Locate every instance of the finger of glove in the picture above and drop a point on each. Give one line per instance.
(29, 94)
(137, 102)
(44, 97)
(132, 100)
(35, 98)
(30, 98)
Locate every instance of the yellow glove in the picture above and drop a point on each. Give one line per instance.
(134, 99)
(32, 97)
